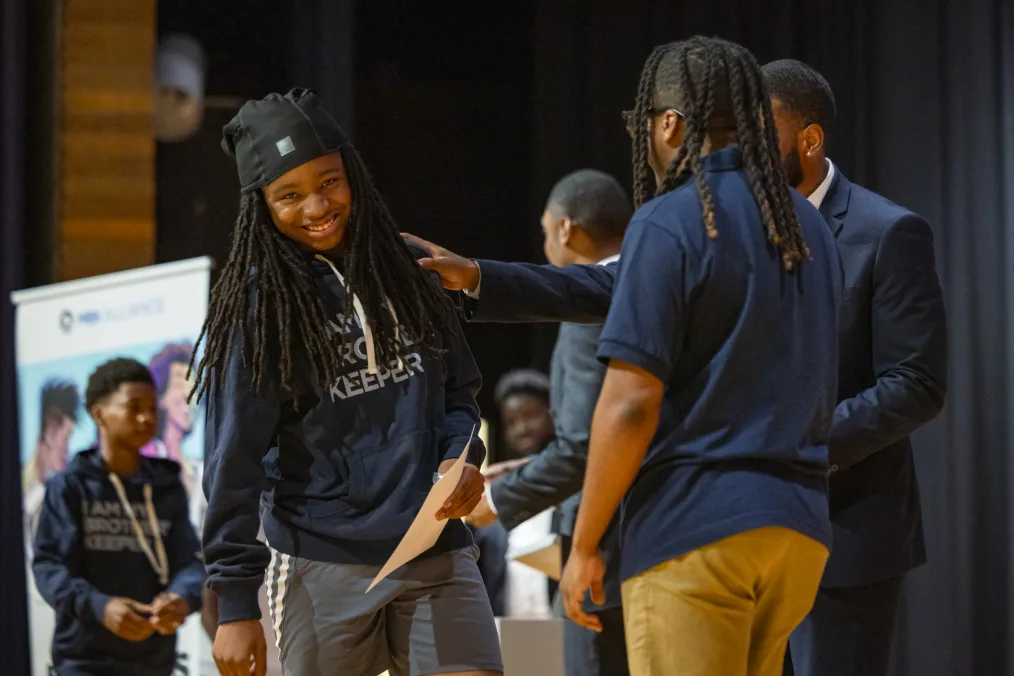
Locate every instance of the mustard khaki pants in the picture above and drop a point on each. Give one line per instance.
(726, 609)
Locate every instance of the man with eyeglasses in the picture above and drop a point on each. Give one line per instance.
(629, 118)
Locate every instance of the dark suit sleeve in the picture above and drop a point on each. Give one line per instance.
(909, 348)
(557, 472)
(522, 292)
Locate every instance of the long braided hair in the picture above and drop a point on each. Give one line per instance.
(717, 84)
(288, 313)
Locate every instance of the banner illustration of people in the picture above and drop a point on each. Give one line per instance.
(170, 368)
(59, 407)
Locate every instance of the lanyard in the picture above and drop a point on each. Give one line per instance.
(161, 564)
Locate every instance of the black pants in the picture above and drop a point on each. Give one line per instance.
(849, 632)
(589, 653)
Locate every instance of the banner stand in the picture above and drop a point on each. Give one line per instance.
(64, 331)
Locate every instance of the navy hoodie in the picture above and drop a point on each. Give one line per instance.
(86, 552)
(339, 474)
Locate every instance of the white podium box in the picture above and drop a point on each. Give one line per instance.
(542, 553)
(531, 647)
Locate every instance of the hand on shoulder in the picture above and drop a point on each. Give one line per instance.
(456, 272)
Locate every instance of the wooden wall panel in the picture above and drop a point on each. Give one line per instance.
(106, 170)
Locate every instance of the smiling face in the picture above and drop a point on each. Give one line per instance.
(312, 203)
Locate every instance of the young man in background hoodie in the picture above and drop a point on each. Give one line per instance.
(115, 553)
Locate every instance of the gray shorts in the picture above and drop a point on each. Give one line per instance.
(432, 616)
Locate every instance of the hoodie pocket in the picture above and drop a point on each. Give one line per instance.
(388, 483)
(397, 472)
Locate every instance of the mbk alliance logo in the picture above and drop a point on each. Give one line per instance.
(66, 321)
(135, 310)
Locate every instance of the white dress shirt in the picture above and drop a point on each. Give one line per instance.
(816, 198)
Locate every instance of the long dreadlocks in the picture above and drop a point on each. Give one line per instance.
(287, 309)
(717, 84)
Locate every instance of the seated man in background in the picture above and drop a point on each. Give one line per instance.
(523, 402)
(115, 553)
(584, 221)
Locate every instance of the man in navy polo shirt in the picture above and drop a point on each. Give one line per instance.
(722, 344)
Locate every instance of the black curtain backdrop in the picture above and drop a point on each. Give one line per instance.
(925, 94)
(13, 81)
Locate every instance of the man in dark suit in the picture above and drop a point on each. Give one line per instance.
(584, 221)
(892, 380)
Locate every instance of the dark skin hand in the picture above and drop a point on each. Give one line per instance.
(127, 619)
(466, 494)
(168, 612)
(584, 572)
(240, 649)
(456, 273)
(626, 418)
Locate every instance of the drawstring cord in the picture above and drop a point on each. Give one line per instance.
(357, 307)
(161, 563)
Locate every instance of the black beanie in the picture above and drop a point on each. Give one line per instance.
(277, 134)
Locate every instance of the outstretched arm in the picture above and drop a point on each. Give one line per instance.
(522, 292)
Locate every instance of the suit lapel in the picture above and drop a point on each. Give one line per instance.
(836, 203)
(836, 224)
